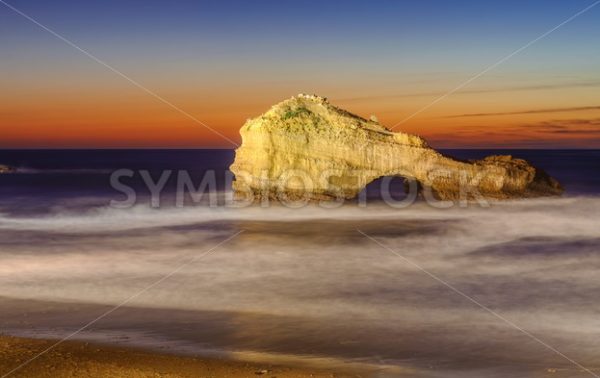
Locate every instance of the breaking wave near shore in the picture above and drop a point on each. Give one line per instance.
(325, 289)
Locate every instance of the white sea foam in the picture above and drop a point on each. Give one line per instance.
(535, 262)
(571, 214)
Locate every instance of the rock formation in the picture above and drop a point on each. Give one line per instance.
(306, 147)
(6, 169)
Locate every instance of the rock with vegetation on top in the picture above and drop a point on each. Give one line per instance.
(306, 147)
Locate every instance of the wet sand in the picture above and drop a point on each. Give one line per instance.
(82, 359)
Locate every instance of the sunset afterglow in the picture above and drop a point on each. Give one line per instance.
(390, 60)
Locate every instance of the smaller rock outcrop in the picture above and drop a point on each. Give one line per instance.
(6, 169)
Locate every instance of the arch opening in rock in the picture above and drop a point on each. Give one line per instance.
(390, 188)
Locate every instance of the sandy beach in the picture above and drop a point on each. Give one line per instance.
(80, 359)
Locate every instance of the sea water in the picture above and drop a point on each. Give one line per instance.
(506, 290)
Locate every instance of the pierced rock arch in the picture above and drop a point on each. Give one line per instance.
(339, 153)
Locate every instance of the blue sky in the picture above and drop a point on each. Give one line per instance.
(203, 52)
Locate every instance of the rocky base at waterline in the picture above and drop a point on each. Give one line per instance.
(6, 169)
(306, 147)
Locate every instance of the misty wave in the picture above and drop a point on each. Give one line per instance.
(306, 279)
(144, 241)
(546, 216)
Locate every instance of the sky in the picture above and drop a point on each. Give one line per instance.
(214, 64)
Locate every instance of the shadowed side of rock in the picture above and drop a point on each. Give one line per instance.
(305, 147)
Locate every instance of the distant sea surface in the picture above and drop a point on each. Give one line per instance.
(46, 177)
(509, 290)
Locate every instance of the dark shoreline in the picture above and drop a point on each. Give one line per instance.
(161, 333)
(22, 357)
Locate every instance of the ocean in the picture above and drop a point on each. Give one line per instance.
(505, 290)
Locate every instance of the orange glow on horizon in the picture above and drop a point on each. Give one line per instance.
(132, 119)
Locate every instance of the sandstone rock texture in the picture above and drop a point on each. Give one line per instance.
(306, 147)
